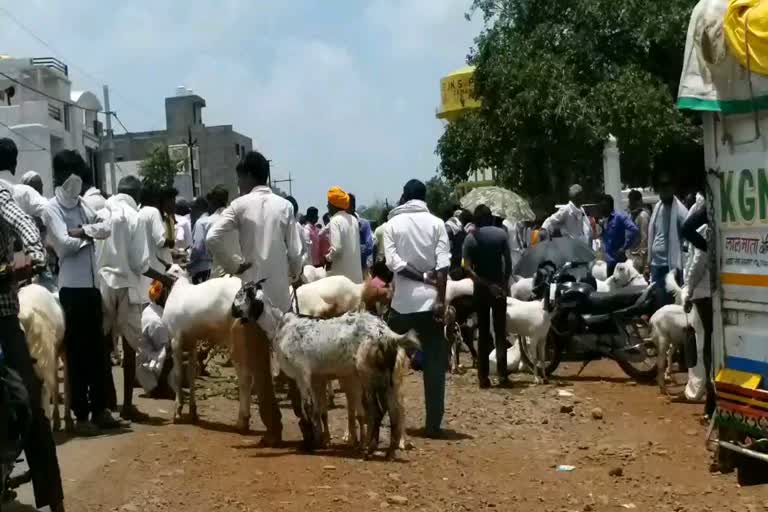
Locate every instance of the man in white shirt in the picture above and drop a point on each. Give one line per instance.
(32, 179)
(72, 229)
(416, 243)
(344, 235)
(122, 260)
(571, 220)
(156, 237)
(183, 224)
(218, 198)
(92, 195)
(271, 248)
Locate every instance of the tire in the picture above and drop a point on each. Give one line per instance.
(553, 353)
(648, 371)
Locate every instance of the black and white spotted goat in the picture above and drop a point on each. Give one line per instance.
(359, 349)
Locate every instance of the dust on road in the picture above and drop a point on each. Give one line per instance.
(630, 449)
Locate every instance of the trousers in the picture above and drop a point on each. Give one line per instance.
(704, 309)
(39, 446)
(489, 307)
(434, 348)
(85, 347)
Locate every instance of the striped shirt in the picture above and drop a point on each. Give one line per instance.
(14, 223)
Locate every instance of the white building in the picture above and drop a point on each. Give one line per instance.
(41, 114)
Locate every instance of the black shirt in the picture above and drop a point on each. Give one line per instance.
(487, 249)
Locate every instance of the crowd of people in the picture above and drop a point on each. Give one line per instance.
(108, 259)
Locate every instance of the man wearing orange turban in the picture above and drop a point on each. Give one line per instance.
(338, 199)
(344, 254)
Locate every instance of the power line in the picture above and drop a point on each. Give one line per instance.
(22, 136)
(114, 114)
(65, 102)
(96, 79)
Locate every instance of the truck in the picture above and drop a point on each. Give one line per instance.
(732, 102)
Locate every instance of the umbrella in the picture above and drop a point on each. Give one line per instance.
(557, 250)
(502, 202)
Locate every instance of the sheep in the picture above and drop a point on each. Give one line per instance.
(195, 312)
(357, 348)
(669, 329)
(42, 320)
(531, 320)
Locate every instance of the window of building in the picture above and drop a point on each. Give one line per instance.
(237, 149)
(66, 116)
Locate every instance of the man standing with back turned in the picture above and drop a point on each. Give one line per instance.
(415, 243)
(488, 262)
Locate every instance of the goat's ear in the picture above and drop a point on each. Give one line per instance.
(260, 282)
(257, 309)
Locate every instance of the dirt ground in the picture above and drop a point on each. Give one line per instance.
(504, 450)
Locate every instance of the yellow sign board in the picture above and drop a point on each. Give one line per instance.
(457, 93)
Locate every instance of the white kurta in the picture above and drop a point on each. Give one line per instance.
(154, 232)
(572, 222)
(153, 348)
(269, 241)
(344, 253)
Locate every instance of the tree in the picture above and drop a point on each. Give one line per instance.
(556, 78)
(440, 196)
(158, 170)
(374, 211)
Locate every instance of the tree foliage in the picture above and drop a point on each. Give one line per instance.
(158, 169)
(440, 196)
(557, 77)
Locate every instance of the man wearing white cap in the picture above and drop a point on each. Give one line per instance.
(32, 179)
(571, 219)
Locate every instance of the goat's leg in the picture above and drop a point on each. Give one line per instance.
(353, 394)
(177, 373)
(374, 415)
(396, 422)
(69, 424)
(191, 377)
(245, 378)
(320, 398)
(662, 360)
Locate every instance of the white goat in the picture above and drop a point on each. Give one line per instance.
(42, 320)
(522, 288)
(357, 348)
(669, 329)
(452, 330)
(625, 275)
(192, 313)
(531, 320)
(310, 274)
(335, 295)
(600, 270)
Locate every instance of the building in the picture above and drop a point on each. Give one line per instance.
(43, 115)
(213, 160)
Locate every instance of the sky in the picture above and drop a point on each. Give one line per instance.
(338, 93)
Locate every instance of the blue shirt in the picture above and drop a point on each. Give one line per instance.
(619, 232)
(366, 240)
(200, 259)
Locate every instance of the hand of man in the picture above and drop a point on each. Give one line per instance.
(78, 233)
(621, 255)
(168, 281)
(243, 268)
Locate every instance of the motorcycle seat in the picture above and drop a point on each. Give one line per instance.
(603, 303)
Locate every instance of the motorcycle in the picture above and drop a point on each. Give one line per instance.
(588, 325)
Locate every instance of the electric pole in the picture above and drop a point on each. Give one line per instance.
(110, 145)
(197, 184)
(289, 181)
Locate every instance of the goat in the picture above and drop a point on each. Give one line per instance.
(600, 270)
(625, 275)
(310, 274)
(669, 329)
(522, 288)
(192, 313)
(458, 297)
(42, 320)
(357, 348)
(531, 320)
